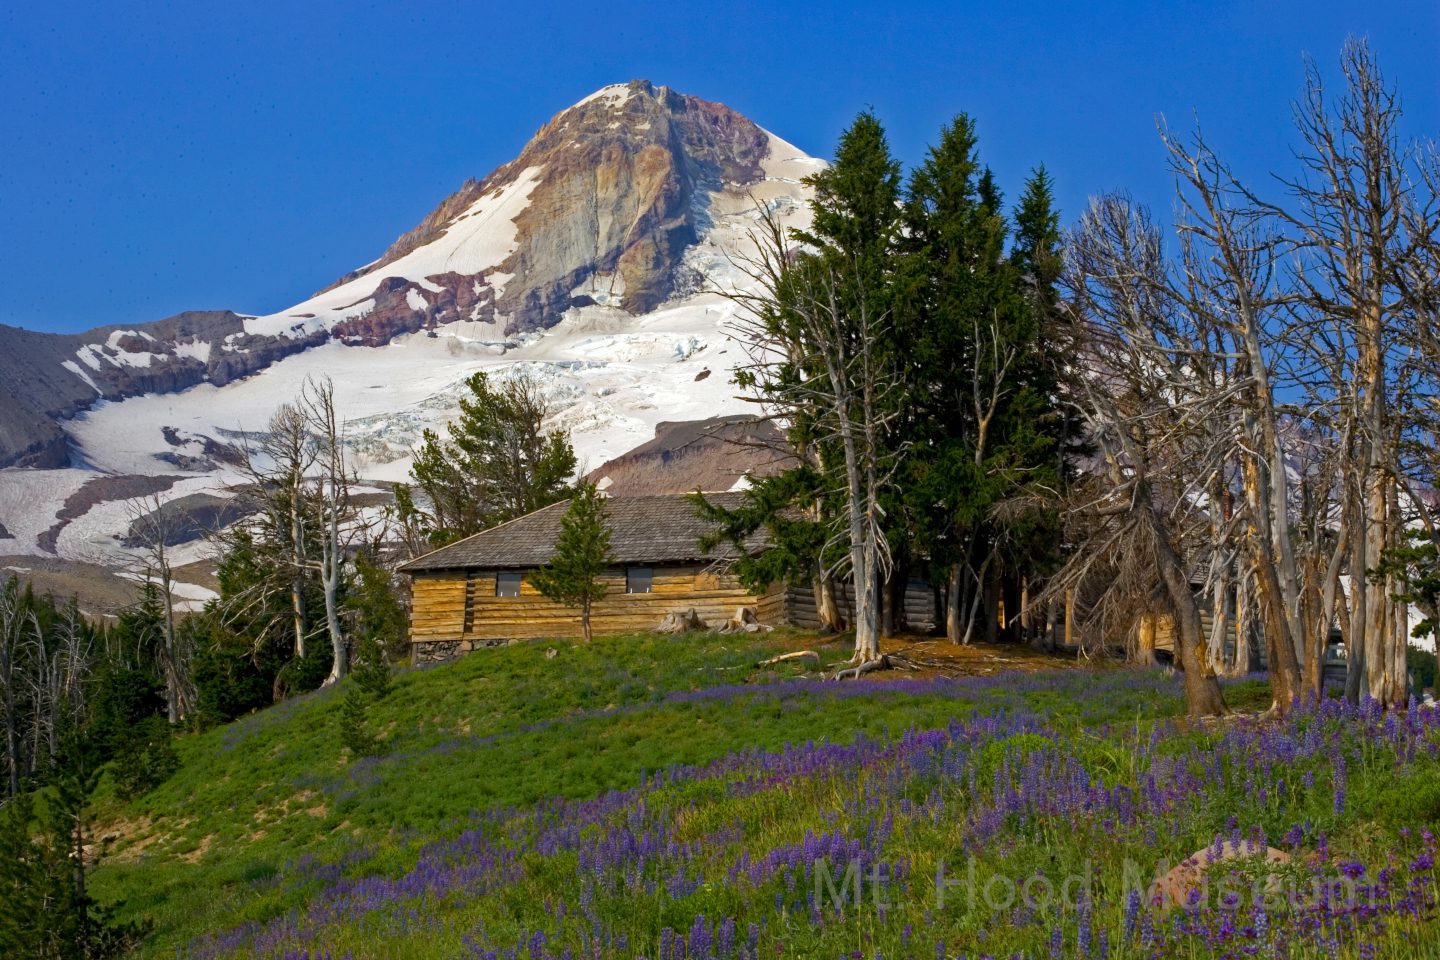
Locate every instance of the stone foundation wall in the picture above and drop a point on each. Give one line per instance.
(438, 651)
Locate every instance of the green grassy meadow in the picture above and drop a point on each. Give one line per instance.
(665, 797)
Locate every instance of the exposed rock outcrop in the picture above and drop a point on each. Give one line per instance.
(696, 455)
(186, 519)
(47, 377)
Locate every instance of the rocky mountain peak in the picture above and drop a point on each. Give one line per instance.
(616, 188)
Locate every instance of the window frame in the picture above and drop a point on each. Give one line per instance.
(501, 577)
(631, 578)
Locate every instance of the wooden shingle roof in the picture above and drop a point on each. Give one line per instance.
(655, 529)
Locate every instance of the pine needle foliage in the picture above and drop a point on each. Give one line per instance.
(582, 552)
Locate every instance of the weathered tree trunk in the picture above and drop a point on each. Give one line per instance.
(1240, 663)
(954, 631)
(330, 583)
(826, 607)
(1284, 665)
(297, 614)
(1325, 613)
(867, 613)
(1284, 669)
(297, 561)
(1202, 690)
(1385, 646)
(333, 494)
(175, 705)
(1145, 640)
(1025, 608)
(990, 611)
(1355, 665)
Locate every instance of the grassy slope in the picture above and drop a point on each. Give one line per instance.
(502, 727)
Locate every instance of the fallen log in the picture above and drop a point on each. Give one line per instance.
(797, 655)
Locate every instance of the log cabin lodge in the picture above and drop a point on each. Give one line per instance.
(478, 592)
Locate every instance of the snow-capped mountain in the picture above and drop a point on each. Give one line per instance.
(591, 262)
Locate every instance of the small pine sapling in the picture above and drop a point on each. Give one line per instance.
(582, 552)
(355, 734)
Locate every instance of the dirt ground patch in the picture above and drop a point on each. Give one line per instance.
(922, 657)
(100, 591)
(196, 855)
(126, 840)
(201, 572)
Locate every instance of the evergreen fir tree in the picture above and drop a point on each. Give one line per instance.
(972, 432)
(498, 463)
(582, 552)
(47, 911)
(851, 250)
(1036, 248)
(22, 880)
(355, 733)
(378, 625)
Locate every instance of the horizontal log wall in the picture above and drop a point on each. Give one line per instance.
(801, 612)
(438, 610)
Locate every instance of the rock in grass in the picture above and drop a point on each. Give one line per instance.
(1188, 880)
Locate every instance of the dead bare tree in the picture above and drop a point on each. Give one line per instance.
(1227, 271)
(1149, 404)
(60, 663)
(19, 627)
(330, 491)
(1363, 219)
(990, 386)
(153, 529)
(278, 470)
(304, 521)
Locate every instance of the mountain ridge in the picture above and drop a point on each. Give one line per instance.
(612, 189)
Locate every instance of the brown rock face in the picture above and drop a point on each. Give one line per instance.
(691, 455)
(37, 389)
(622, 192)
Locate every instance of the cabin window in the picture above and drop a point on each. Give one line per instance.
(638, 579)
(507, 583)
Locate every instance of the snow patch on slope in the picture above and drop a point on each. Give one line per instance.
(479, 239)
(613, 94)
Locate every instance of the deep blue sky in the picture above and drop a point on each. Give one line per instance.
(161, 156)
